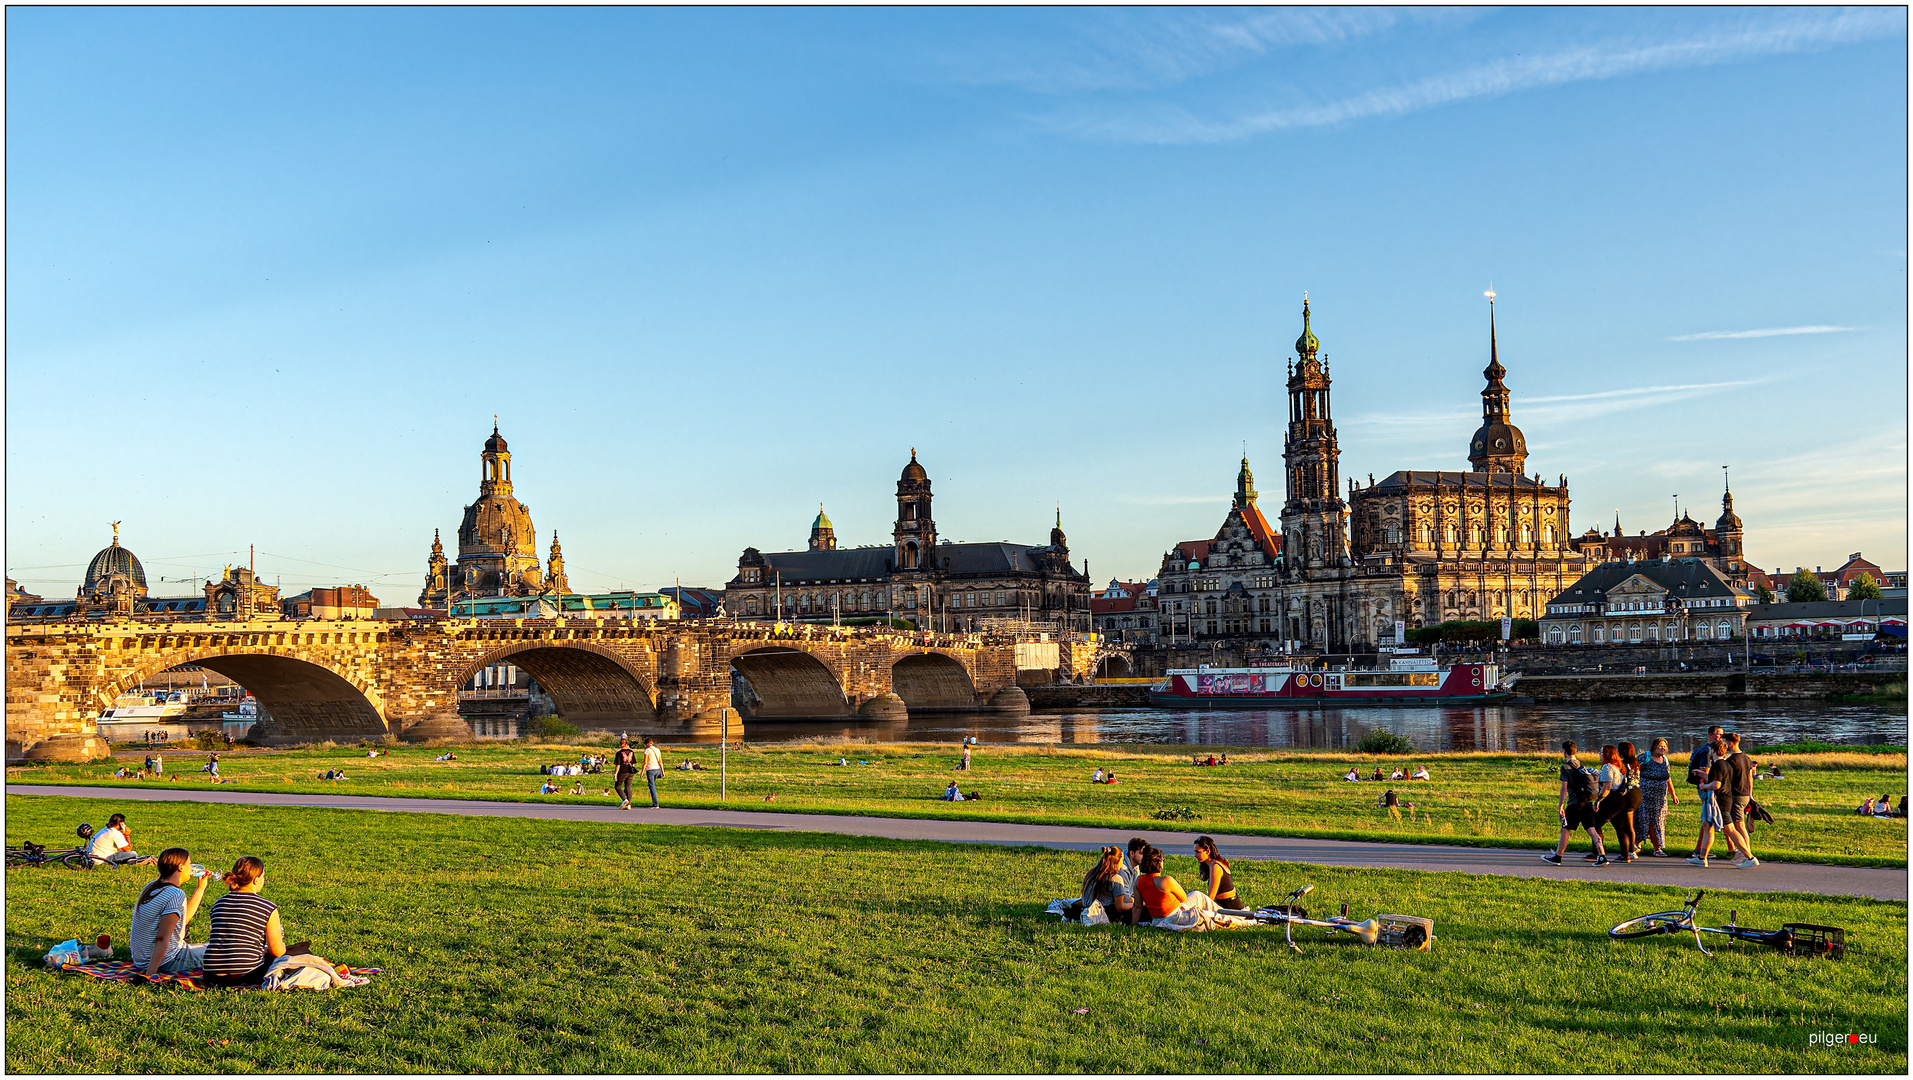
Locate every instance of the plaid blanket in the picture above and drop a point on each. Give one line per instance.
(124, 971)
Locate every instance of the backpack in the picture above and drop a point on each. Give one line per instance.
(1580, 785)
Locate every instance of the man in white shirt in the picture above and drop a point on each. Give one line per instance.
(653, 769)
(114, 844)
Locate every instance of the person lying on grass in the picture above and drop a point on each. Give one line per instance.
(160, 917)
(1352, 776)
(1420, 773)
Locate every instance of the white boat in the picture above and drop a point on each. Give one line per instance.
(146, 706)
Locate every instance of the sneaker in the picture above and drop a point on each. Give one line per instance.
(1747, 863)
(1589, 857)
(1697, 861)
(1551, 857)
(1601, 860)
(1658, 853)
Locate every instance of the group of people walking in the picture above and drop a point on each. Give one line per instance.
(1633, 792)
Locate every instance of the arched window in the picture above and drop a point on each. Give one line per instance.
(1527, 533)
(1474, 536)
(910, 556)
(1726, 630)
(1700, 631)
(1547, 535)
(1501, 535)
(1574, 634)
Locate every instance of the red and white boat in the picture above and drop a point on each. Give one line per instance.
(1407, 680)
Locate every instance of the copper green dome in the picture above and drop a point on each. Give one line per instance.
(822, 522)
(1306, 345)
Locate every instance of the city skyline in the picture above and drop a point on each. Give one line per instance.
(712, 268)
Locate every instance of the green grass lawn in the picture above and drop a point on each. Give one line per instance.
(537, 946)
(1503, 800)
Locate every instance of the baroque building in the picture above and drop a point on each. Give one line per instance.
(1226, 586)
(497, 546)
(934, 583)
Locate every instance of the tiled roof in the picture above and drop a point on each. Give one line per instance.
(1686, 578)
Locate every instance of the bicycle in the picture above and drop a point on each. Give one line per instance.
(1794, 939)
(30, 854)
(1393, 931)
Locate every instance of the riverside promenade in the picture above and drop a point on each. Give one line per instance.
(1876, 882)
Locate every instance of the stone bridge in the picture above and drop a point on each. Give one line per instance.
(356, 679)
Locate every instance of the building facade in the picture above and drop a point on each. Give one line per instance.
(1226, 586)
(1126, 612)
(1635, 601)
(1828, 620)
(931, 582)
(497, 546)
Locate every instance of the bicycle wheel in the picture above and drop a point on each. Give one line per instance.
(78, 860)
(1664, 922)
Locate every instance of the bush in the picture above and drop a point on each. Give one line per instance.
(210, 740)
(1180, 813)
(1378, 741)
(550, 727)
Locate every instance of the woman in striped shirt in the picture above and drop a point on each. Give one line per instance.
(246, 936)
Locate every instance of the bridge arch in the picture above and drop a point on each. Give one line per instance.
(307, 701)
(932, 680)
(1113, 666)
(784, 683)
(590, 686)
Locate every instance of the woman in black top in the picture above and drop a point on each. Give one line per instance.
(1214, 870)
(246, 935)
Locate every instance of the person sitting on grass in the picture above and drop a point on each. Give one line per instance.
(1398, 774)
(114, 844)
(246, 934)
(1096, 777)
(1883, 808)
(1159, 892)
(1866, 808)
(1214, 871)
(1110, 777)
(1104, 884)
(1378, 773)
(1224, 761)
(1352, 776)
(160, 917)
(951, 794)
(1132, 862)
(578, 788)
(1420, 773)
(547, 788)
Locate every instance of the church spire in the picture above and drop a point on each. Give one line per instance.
(1497, 446)
(1244, 485)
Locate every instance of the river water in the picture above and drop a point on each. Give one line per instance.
(1490, 727)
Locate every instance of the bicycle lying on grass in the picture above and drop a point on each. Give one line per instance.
(30, 854)
(1794, 939)
(1393, 931)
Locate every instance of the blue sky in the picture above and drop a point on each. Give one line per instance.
(271, 272)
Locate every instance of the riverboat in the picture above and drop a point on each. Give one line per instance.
(1407, 681)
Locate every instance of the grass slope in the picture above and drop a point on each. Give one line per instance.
(532, 946)
(1495, 800)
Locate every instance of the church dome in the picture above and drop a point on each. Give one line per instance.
(111, 561)
(1495, 439)
(822, 522)
(1306, 345)
(914, 471)
(1728, 521)
(496, 443)
(486, 524)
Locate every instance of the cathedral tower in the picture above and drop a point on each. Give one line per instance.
(916, 530)
(555, 579)
(1497, 446)
(1313, 516)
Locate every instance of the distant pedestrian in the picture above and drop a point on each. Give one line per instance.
(964, 766)
(653, 769)
(1657, 791)
(1698, 764)
(1620, 776)
(1577, 807)
(625, 763)
(1732, 778)
(212, 766)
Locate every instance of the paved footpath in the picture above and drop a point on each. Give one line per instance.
(1881, 883)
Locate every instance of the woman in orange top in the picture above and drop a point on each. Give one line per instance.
(1158, 891)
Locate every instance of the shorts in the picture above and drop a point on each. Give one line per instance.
(245, 978)
(1709, 809)
(1733, 808)
(1579, 815)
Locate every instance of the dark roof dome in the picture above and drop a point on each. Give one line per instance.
(496, 443)
(1497, 438)
(914, 471)
(114, 560)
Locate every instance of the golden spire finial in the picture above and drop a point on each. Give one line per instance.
(1490, 294)
(116, 532)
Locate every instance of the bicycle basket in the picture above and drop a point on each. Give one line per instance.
(1810, 939)
(1406, 932)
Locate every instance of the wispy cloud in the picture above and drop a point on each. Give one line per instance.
(1779, 331)
(1164, 123)
(1151, 49)
(1548, 409)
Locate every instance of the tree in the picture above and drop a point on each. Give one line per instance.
(1863, 588)
(1764, 594)
(1805, 588)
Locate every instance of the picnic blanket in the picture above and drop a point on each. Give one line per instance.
(124, 971)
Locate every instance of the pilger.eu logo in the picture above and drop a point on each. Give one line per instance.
(1831, 1038)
